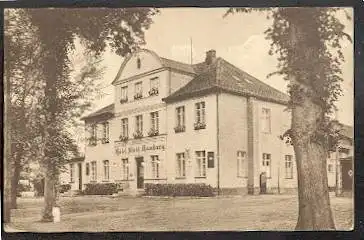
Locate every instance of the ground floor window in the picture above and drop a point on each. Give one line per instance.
(87, 169)
(242, 164)
(125, 169)
(330, 168)
(106, 170)
(288, 166)
(201, 164)
(93, 171)
(267, 164)
(72, 172)
(155, 166)
(181, 165)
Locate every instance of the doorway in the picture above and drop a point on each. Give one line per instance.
(347, 175)
(80, 176)
(263, 183)
(140, 172)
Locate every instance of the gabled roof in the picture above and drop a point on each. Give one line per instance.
(108, 110)
(221, 75)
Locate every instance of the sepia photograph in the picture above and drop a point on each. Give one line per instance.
(178, 119)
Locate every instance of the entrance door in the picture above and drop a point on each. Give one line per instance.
(140, 172)
(347, 175)
(80, 176)
(263, 183)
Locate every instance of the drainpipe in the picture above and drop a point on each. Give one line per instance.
(218, 142)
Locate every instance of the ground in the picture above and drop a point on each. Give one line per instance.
(233, 213)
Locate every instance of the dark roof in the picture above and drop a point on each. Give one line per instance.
(108, 110)
(347, 131)
(222, 75)
(169, 63)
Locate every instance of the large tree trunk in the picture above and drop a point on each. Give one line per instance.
(15, 180)
(311, 152)
(49, 197)
(313, 194)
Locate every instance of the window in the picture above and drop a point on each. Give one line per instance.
(201, 163)
(125, 169)
(72, 172)
(267, 164)
(106, 170)
(288, 166)
(105, 136)
(330, 168)
(139, 63)
(87, 169)
(200, 116)
(138, 90)
(180, 116)
(265, 120)
(139, 123)
(93, 135)
(124, 127)
(181, 165)
(155, 166)
(93, 171)
(154, 86)
(124, 94)
(241, 164)
(154, 116)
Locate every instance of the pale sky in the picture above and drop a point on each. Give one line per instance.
(239, 39)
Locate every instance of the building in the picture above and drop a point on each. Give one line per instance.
(173, 122)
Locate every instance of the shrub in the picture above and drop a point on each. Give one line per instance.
(64, 188)
(193, 189)
(100, 188)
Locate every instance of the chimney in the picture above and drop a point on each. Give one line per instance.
(210, 57)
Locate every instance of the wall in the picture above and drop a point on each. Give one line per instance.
(233, 138)
(192, 140)
(178, 80)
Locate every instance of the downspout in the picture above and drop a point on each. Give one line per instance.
(218, 142)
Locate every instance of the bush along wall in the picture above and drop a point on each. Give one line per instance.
(193, 189)
(64, 188)
(100, 189)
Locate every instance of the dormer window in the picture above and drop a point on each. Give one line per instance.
(139, 63)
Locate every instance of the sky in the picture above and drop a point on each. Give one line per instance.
(238, 38)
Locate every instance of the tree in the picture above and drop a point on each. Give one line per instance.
(57, 29)
(24, 82)
(307, 42)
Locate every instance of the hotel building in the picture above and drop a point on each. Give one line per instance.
(209, 123)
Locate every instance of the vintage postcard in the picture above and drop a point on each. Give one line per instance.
(178, 119)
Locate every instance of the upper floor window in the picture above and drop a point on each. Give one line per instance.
(72, 172)
(330, 168)
(154, 86)
(105, 134)
(201, 163)
(139, 63)
(138, 93)
(154, 123)
(265, 120)
(200, 116)
(241, 164)
(155, 166)
(267, 164)
(181, 165)
(106, 170)
(124, 94)
(288, 166)
(93, 171)
(138, 126)
(93, 135)
(124, 129)
(180, 117)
